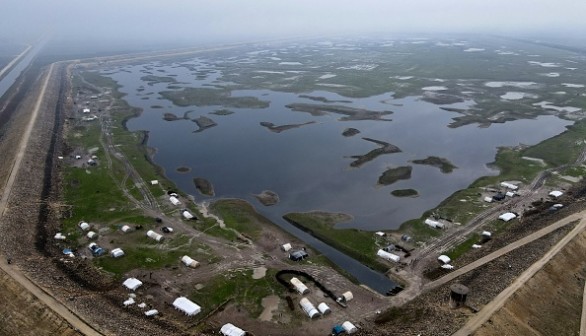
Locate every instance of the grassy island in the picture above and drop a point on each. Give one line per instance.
(443, 164)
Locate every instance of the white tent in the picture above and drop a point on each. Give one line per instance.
(299, 286)
(128, 302)
(286, 247)
(84, 226)
(187, 215)
(486, 233)
(324, 308)
(556, 193)
(444, 259)
(476, 246)
(349, 327)
(229, 329)
(132, 283)
(488, 199)
(380, 233)
(151, 312)
(125, 228)
(142, 305)
(117, 253)
(59, 236)
(308, 308)
(187, 306)
(154, 182)
(189, 262)
(153, 235)
(558, 205)
(174, 200)
(509, 186)
(511, 194)
(434, 224)
(448, 267)
(348, 296)
(507, 216)
(91, 235)
(388, 256)
(86, 110)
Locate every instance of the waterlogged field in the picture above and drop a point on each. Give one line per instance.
(275, 117)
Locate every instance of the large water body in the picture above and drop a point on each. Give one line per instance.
(309, 167)
(11, 77)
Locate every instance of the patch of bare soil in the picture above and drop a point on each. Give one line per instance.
(550, 303)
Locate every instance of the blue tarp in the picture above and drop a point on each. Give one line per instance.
(337, 330)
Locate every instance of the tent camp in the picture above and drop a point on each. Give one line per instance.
(299, 286)
(308, 308)
(187, 306)
(388, 256)
(189, 262)
(349, 327)
(174, 200)
(132, 283)
(155, 236)
(187, 215)
(229, 329)
(507, 216)
(117, 253)
(324, 308)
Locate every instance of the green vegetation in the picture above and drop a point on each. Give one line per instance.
(204, 186)
(152, 79)
(563, 148)
(443, 164)
(463, 247)
(405, 193)
(240, 287)
(385, 148)
(210, 97)
(350, 113)
(393, 175)
(360, 245)
(241, 216)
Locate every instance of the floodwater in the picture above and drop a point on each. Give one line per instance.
(309, 167)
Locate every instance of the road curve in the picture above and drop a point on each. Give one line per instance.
(499, 301)
(41, 294)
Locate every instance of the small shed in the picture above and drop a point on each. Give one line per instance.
(286, 247)
(507, 216)
(323, 308)
(150, 313)
(117, 253)
(348, 296)
(444, 259)
(187, 306)
(84, 226)
(488, 199)
(349, 327)
(125, 228)
(388, 256)
(556, 193)
(155, 236)
(299, 286)
(229, 329)
(174, 200)
(187, 215)
(91, 235)
(189, 262)
(298, 255)
(308, 308)
(132, 283)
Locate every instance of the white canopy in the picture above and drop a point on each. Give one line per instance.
(153, 235)
(349, 327)
(388, 256)
(187, 215)
(299, 286)
(229, 329)
(84, 226)
(380, 233)
(348, 296)
(59, 236)
(324, 308)
(125, 228)
(507, 216)
(509, 186)
(286, 247)
(444, 259)
(128, 302)
(186, 306)
(486, 233)
(132, 283)
(434, 224)
(189, 262)
(174, 200)
(488, 199)
(476, 246)
(556, 193)
(151, 312)
(510, 193)
(447, 266)
(117, 253)
(308, 308)
(91, 235)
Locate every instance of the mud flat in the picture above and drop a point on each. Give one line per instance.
(204, 123)
(204, 186)
(350, 113)
(443, 164)
(210, 97)
(393, 175)
(385, 148)
(267, 197)
(278, 129)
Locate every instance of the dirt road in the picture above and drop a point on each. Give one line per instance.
(487, 311)
(521, 242)
(14, 61)
(13, 272)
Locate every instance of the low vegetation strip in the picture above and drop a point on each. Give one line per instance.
(360, 245)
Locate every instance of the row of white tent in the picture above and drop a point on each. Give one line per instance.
(311, 311)
(434, 224)
(388, 256)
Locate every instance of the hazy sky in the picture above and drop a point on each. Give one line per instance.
(204, 21)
